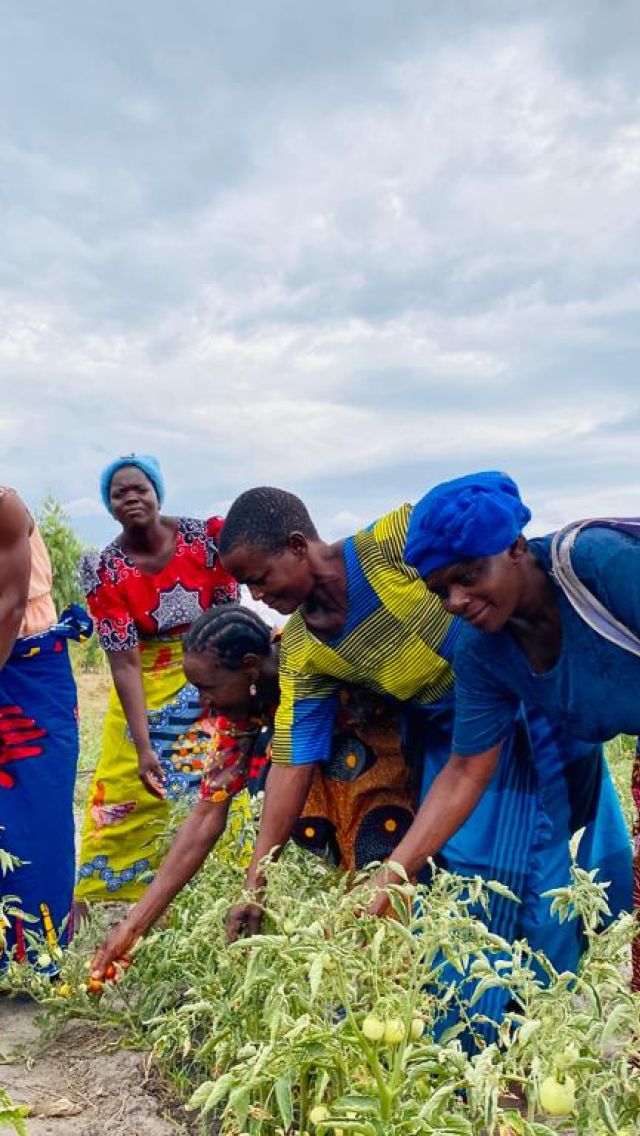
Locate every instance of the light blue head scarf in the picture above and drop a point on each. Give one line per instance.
(146, 462)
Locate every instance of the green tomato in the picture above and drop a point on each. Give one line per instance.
(557, 1098)
(417, 1028)
(288, 927)
(568, 1057)
(373, 1028)
(527, 1030)
(393, 1031)
(319, 1114)
(43, 959)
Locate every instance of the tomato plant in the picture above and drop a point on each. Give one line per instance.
(328, 1022)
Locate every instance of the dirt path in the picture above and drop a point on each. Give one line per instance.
(74, 1084)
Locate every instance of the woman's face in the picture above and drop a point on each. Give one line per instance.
(282, 580)
(132, 497)
(484, 592)
(221, 690)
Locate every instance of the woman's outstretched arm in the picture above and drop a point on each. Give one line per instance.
(192, 844)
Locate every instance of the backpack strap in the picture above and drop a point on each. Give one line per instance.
(588, 606)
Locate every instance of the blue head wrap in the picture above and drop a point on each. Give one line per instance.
(146, 462)
(465, 519)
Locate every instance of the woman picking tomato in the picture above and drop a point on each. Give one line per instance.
(358, 807)
(570, 651)
(360, 613)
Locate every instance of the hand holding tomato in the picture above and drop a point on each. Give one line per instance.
(116, 948)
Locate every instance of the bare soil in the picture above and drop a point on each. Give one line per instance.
(79, 1083)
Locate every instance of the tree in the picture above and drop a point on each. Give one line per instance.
(65, 551)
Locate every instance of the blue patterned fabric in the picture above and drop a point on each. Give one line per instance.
(38, 760)
(547, 786)
(593, 688)
(474, 516)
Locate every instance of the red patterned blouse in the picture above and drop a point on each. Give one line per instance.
(129, 604)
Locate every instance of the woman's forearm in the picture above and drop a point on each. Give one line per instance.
(192, 844)
(193, 841)
(127, 679)
(451, 799)
(285, 795)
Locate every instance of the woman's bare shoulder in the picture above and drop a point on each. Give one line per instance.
(15, 519)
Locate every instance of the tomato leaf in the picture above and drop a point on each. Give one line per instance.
(285, 1100)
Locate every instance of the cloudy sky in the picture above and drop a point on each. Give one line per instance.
(348, 248)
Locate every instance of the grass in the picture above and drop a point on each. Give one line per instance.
(93, 693)
(620, 754)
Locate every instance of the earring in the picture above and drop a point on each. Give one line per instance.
(253, 690)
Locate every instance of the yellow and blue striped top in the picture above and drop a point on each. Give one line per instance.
(397, 640)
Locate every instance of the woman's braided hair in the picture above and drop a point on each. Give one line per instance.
(230, 632)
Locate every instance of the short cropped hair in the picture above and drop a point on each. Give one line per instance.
(265, 517)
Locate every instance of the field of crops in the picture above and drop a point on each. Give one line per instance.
(333, 1023)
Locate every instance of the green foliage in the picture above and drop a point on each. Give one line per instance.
(9, 904)
(12, 1115)
(620, 756)
(91, 724)
(89, 656)
(65, 551)
(269, 1036)
(90, 740)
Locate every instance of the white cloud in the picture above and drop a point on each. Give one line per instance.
(348, 262)
(84, 507)
(344, 523)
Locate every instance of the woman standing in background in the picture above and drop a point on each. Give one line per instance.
(144, 590)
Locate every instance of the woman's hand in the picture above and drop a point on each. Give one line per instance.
(151, 772)
(115, 949)
(379, 882)
(380, 902)
(244, 919)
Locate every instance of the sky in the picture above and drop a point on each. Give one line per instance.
(349, 249)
